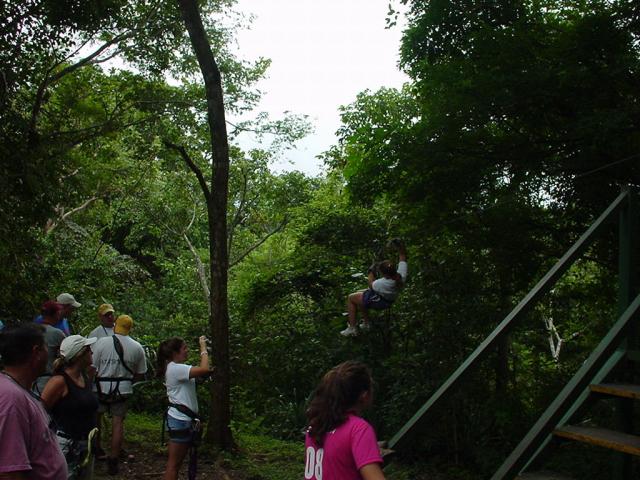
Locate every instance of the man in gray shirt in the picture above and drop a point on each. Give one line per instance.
(51, 312)
(107, 320)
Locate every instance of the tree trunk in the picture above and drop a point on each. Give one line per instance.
(219, 431)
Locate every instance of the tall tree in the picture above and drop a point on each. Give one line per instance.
(219, 431)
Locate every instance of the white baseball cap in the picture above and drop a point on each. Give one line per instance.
(67, 299)
(73, 344)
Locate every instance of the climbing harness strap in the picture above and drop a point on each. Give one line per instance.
(194, 430)
(114, 395)
(120, 351)
(194, 433)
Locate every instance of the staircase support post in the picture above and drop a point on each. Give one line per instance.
(627, 289)
(628, 255)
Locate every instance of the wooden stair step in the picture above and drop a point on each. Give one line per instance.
(542, 476)
(602, 437)
(617, 389)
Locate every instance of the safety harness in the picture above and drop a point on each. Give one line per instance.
(77, 452)
(194, 433)
(114, 395)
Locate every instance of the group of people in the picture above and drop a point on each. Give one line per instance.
(56, 386)
(66, 383)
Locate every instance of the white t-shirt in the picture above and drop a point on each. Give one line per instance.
(101, 332)
(180, 389)
(388, 287)
(108, 363)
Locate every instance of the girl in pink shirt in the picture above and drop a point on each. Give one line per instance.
(339, 444)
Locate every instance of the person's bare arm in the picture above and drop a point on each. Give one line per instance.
(402, 252)
(203, 369)
(54, 390)
(373, 471)
(402, 257)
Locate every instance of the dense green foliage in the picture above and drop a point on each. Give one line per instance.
(519, 125)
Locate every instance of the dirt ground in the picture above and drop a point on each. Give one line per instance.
(148, 463)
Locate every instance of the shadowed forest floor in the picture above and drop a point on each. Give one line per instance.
(148, 463)
(258, 457)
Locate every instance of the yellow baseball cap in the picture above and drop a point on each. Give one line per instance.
(123, 325)
(105, 308)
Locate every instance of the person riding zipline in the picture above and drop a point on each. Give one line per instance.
(381, 292)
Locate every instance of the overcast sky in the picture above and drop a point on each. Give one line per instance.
(323, 52)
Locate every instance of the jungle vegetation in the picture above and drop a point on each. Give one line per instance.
(520, 124)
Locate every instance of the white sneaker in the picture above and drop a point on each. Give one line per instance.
(365, 326)
(349, 331)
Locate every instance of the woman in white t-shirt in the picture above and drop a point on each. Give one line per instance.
(179, 379)
(381, 293)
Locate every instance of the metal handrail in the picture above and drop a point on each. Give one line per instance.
(597, 364)
(542, 287)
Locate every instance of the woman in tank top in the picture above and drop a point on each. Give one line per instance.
(72, 404)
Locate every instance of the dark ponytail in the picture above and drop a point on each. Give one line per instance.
(339, 391)
(387, 268)
(166, 351)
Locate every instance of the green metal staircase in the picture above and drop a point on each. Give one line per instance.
(588, 384)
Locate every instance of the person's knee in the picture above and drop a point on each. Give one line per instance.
(177, 452)
(355, 298)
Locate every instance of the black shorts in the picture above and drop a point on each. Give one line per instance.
(371, 299)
